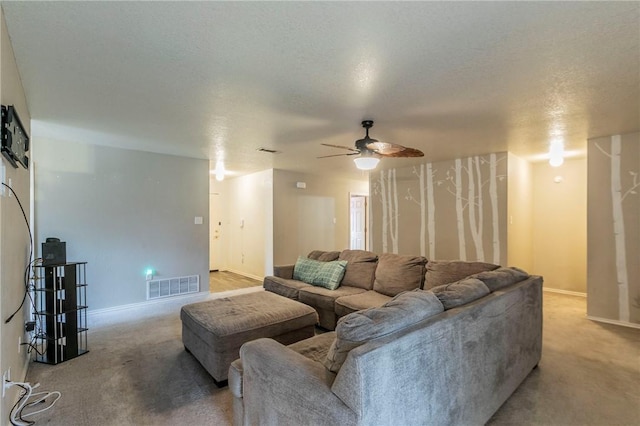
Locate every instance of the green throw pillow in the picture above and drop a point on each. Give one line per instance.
(330, 274)
(305, 269)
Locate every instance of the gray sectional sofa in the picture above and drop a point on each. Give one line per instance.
(369, 281)
(450, 355)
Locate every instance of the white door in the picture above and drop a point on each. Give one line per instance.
(358, 218)
(215, 232)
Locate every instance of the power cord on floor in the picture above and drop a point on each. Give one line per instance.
(17, 412)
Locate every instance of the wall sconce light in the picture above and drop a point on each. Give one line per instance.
(556, 153)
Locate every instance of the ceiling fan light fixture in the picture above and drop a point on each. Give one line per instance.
(366, 163)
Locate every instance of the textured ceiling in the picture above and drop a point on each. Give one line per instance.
(217, 80)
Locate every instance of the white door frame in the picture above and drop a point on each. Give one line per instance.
(367, 215)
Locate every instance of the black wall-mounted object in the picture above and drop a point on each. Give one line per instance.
(15, 141)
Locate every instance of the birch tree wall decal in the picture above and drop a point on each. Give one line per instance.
(392, 187)
(475, 204)
(427, 208)
(617, 198)
(431, 212)
(388, 190)
(462, 245)
(385, 213)
(493, 196)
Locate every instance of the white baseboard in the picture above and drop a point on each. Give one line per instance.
(135, 311)
(567, 292)
(614, 322)
(125, 313)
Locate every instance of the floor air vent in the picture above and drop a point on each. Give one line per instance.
(169, 287)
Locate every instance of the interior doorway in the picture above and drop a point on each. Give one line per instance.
(215, 233)
(358, 222)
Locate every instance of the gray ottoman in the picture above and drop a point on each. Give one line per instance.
(213, 331)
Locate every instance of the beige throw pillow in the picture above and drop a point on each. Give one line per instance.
(397, 273)
(501, 277)
(361, 267)
(440, 272)
(461, 292)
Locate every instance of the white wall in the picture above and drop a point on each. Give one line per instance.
(519, 212)
(123, 211)
(14, 237)
(560, 224)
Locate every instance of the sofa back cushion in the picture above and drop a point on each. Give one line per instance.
(360, 327)
(324, 256)
(440, 272)
(460, 292)
(397, 273)
(361, 267)
(501, 277)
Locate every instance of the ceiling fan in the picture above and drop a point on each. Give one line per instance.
(370, 150)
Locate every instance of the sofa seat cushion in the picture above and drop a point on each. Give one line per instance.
(361, 268)
(460, 292)
(501, 277)
(440, 272)
(284, 287)
(356, 329)
(315, 348)
(322, 298)
(397, 273)
(324, 256)
(357, 302)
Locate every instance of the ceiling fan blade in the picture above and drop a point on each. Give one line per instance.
(384, 148)
(407, 152)
(341, 147)
(339, 155)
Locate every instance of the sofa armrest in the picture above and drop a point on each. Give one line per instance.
(283, 271)
(281, 386)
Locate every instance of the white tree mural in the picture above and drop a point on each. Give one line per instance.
(462, 244)
(431, 212)
(493, 196)
(474, 184)
(617, 199)
(388, 190)
(427, 208)
(474, 203)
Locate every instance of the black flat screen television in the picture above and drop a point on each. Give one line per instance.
(15, 141)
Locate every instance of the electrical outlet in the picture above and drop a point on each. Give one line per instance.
(6, 377)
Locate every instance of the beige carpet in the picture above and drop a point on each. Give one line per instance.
(139, 374)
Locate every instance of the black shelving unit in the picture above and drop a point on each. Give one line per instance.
(61, 312)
